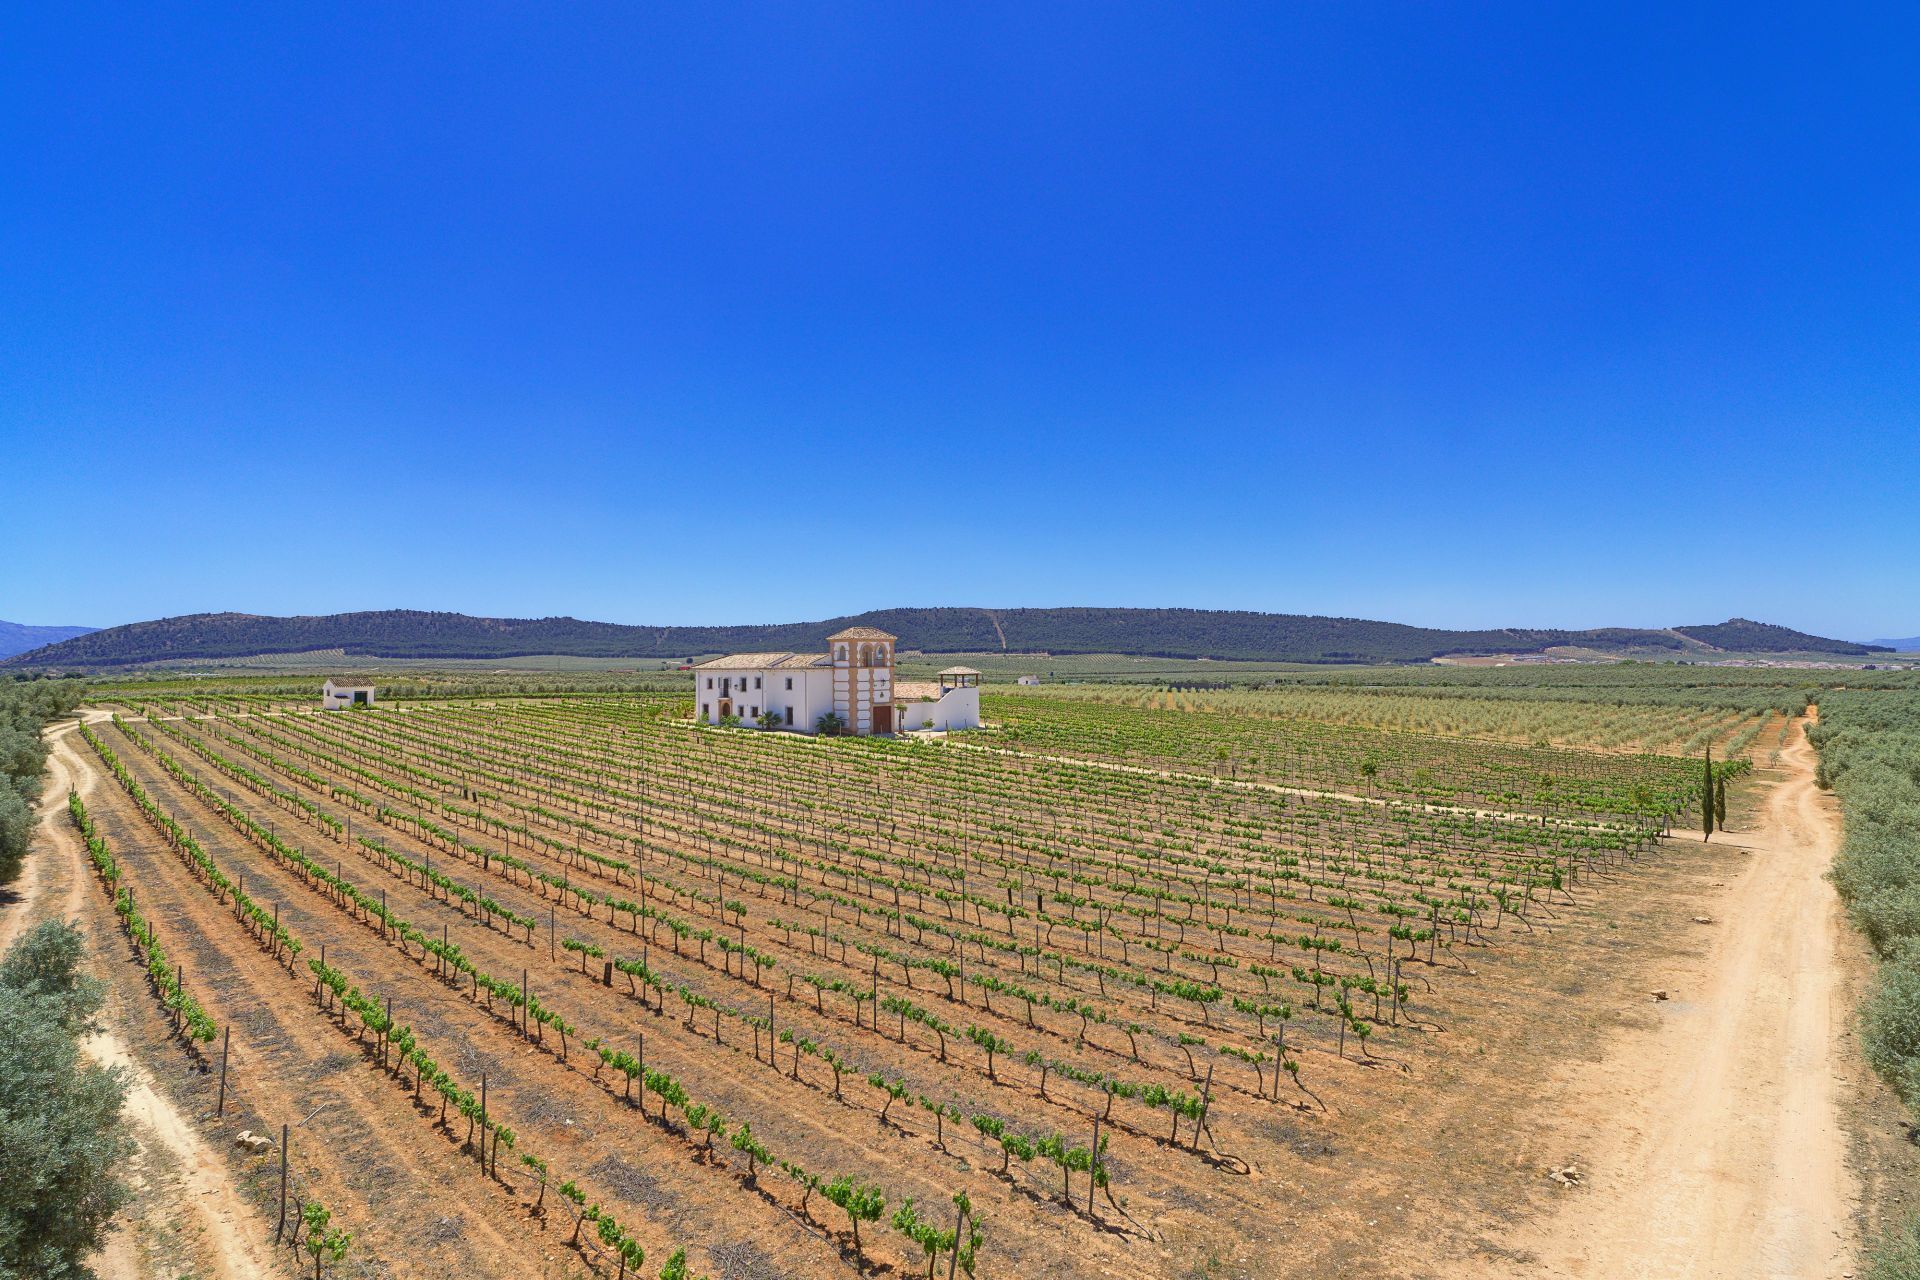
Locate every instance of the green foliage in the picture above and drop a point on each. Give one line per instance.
(25, 707)
(325, 1243)
(1869, 744)
(1896, 1255)
(62, 1141)
(933, 1241)
(1869, 747)
(860, 1201)
(1891, 1034)
(1739, 635)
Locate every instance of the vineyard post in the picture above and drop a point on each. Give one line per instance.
(383, 915)
(551, 953)
(1206, 1098)
(285, 1130)
(1093, 1167)
(226, 1039)
(483, 1120)
(523, 1004)
(180, 985)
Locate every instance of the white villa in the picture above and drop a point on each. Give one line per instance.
(853, 680)
(337, 696)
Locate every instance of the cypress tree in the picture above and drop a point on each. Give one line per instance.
(1706, 797)
(1720, 803)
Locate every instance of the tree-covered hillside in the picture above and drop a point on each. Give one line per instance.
(1173, 633)
(1740, 635)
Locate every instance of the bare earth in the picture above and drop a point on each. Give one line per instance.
(1712, 1139)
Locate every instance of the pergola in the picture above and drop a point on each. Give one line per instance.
(959, 678)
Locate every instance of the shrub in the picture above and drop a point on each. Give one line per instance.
(62, 1142)
(1892, 1025)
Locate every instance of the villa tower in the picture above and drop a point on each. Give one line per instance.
(863, 678)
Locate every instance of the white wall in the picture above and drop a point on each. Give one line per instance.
(737, 686)
(811, 696)
(956, 709)
(339, 700)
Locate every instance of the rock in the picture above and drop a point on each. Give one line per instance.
(1661, 995)
(253, 1142)
(1567, 1176)
(1703, 919)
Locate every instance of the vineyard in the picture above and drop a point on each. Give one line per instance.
(1638, 727)
(1048, 1000)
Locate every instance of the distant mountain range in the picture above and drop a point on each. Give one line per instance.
(1172, 633)
(1911, 644)
(16, 637)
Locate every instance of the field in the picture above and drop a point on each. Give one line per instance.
(1113, 976)
(1683, 730)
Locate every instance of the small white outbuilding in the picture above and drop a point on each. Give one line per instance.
(336, 695)
(1029, 680)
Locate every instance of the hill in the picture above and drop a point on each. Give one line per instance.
(1905, 644)
(1171, 633)
(17, 637)
(1740, 635)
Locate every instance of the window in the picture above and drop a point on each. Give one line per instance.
(840, 653)
(756, 682)
(789, 690)
(755, 713)
(706, 712)
(789, 715)
(709, 682)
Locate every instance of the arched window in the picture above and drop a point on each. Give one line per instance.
(840, 653)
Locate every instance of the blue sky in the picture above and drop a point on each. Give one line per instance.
(1455, 315)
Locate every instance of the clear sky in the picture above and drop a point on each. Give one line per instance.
(1447, 314)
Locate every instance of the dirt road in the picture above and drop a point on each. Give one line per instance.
(54, 882)
(1714, 1146)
